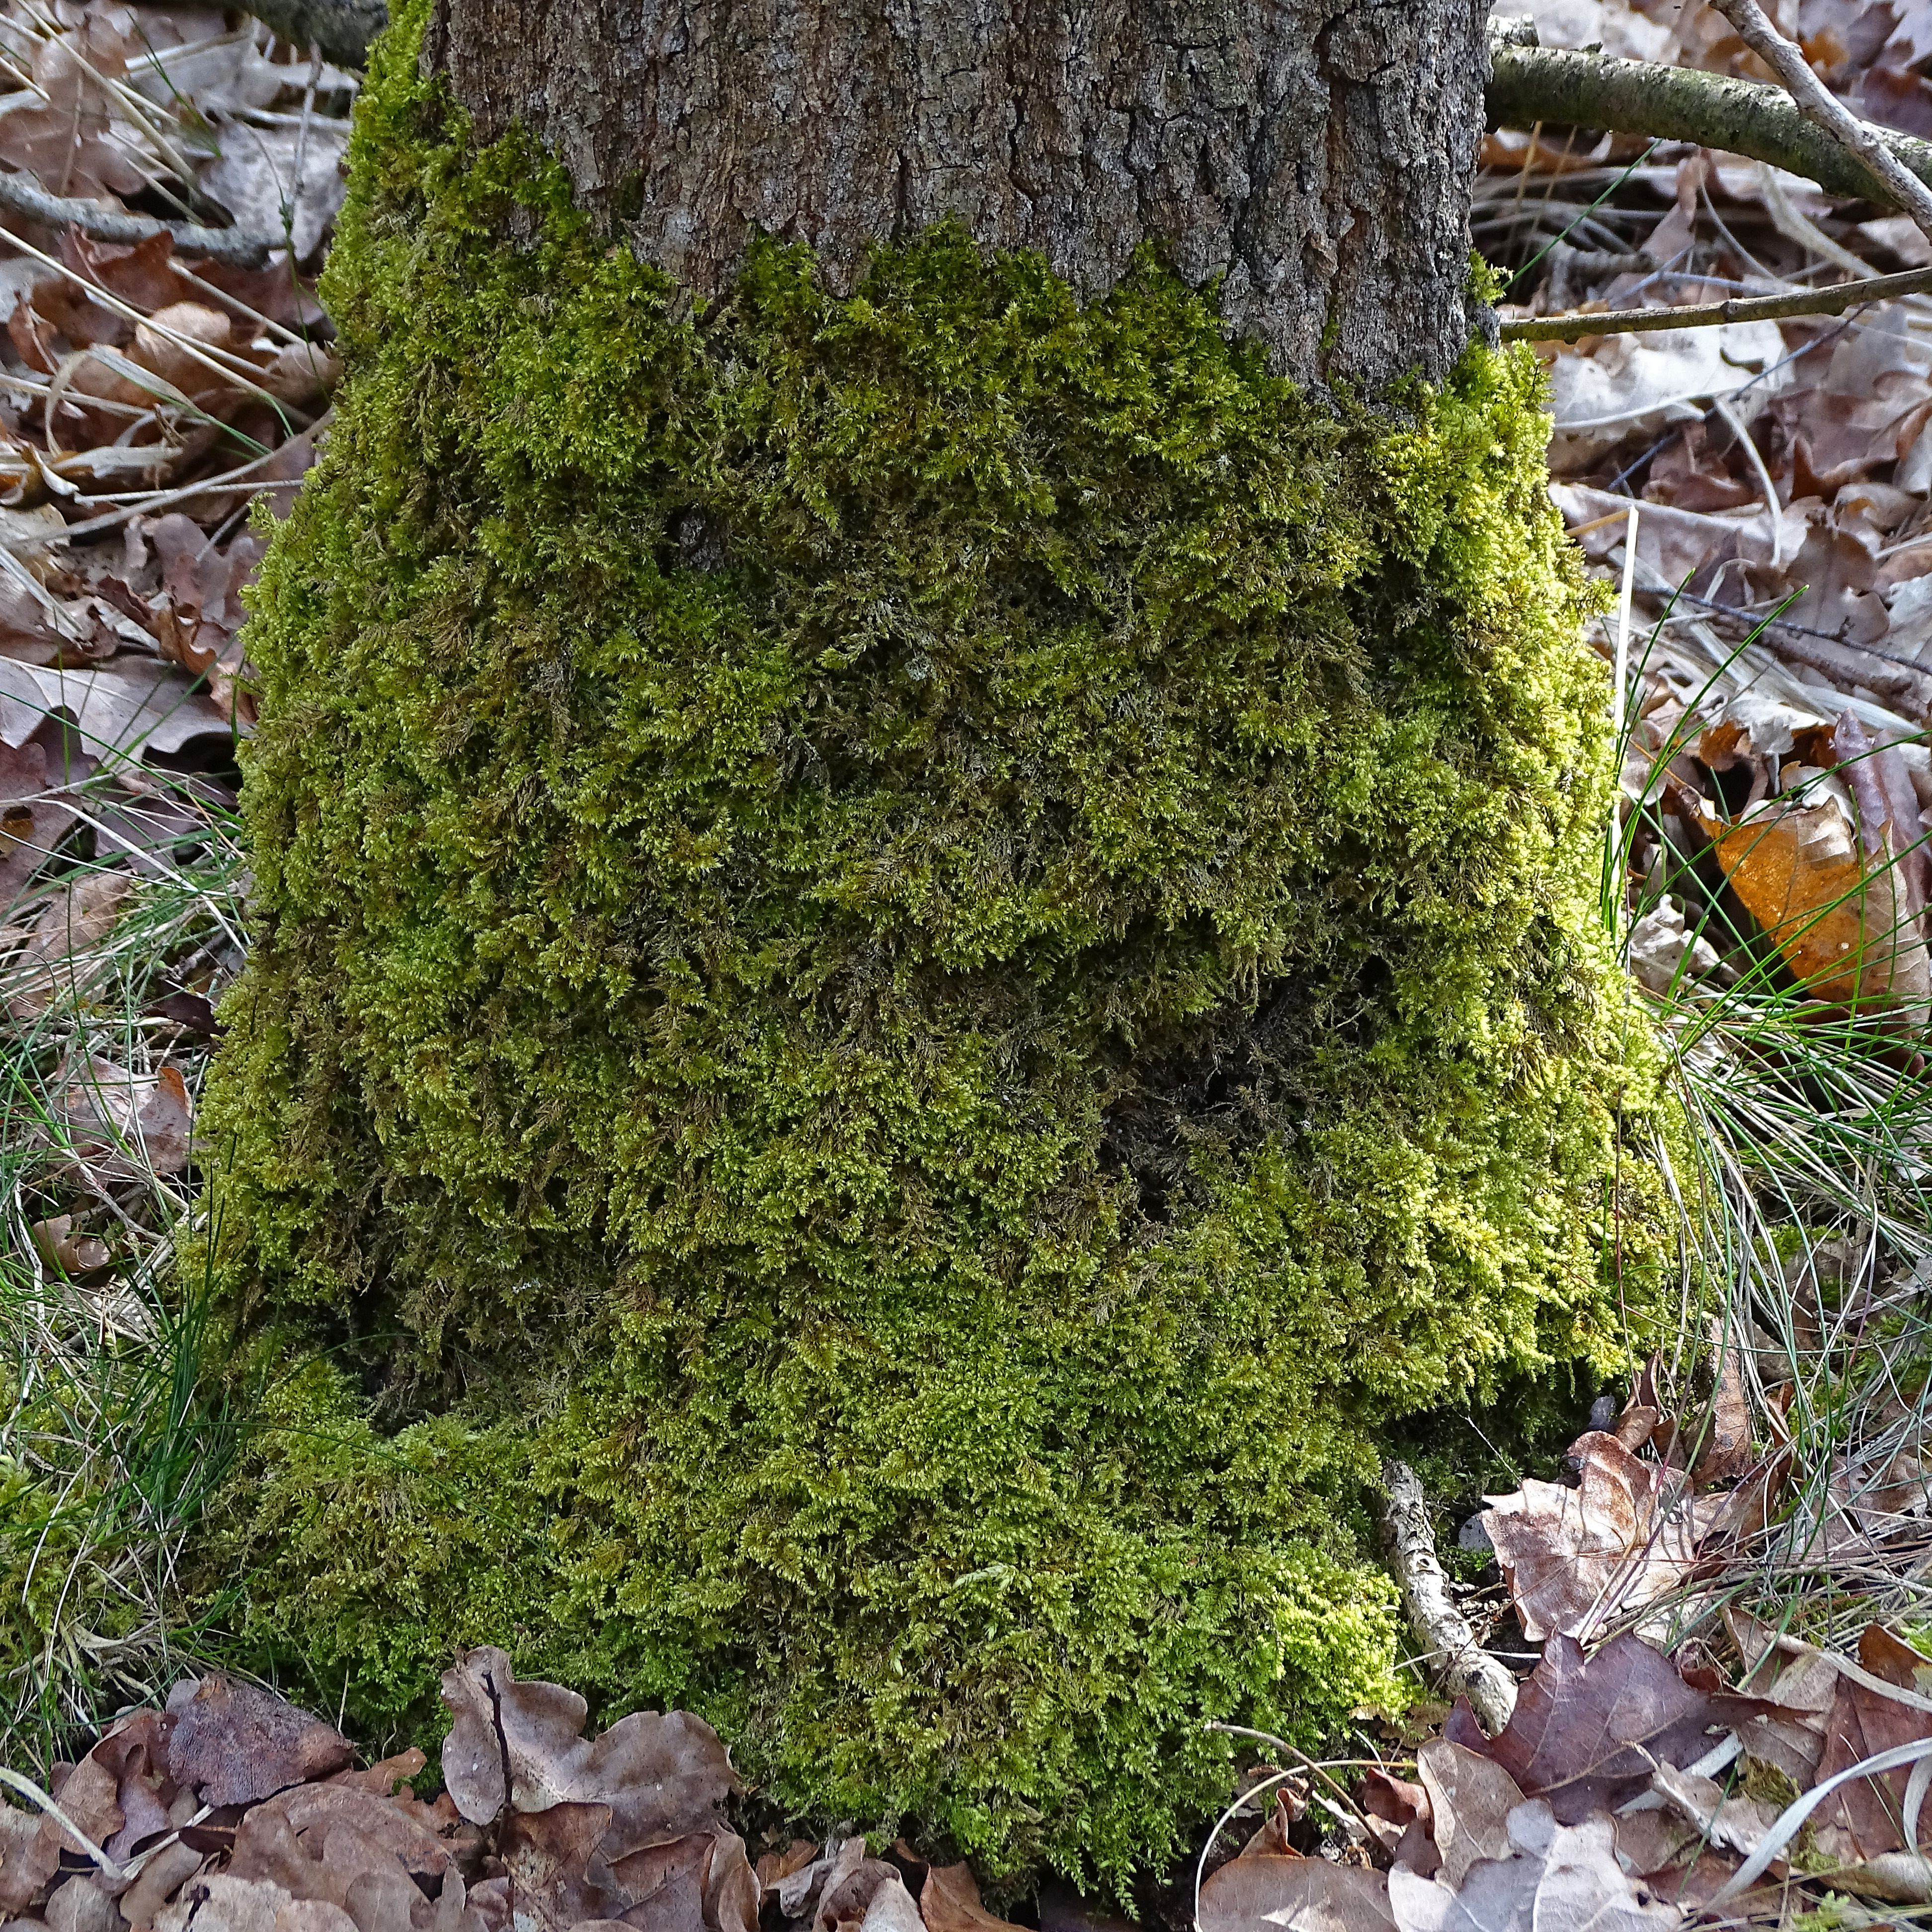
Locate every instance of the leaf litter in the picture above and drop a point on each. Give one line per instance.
(229, 1810)
(169, 176)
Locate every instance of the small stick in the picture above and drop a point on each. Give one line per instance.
(1833, 301)
(25, 195)
(1453, 1658)
(1819, 105)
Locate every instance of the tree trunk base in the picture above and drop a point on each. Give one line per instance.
(915, 954)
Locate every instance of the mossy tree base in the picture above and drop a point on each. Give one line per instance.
(915, 955)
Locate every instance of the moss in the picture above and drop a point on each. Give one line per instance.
(915, 957)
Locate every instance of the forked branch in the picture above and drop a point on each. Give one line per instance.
(1819, 105)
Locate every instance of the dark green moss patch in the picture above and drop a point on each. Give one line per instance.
(915, 956)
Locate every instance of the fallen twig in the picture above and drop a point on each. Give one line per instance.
(1820, 105)
(1833, 301)
(1452, 1657)
(23, 194)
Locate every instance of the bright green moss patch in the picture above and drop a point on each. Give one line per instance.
(914, 956)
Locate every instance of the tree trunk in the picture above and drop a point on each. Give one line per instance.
(923, 939)
(1314, 156)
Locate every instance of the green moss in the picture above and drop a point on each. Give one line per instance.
(915, 956)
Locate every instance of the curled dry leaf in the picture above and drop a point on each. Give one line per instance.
(1625, 1536)
(872, 1898)
(800, 1890)
(60, 1247)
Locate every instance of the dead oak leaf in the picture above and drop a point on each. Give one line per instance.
(126, 1126)
(235, 1745)
(1471, 1797)
(1865, 1819)
(663, 1775)
(949, 1901)
(28, 1858)
(1554, 1877)
(1588, 1731)
(221, 1903)
(1839, 916)
(1623, 1537)
(1294, 1895)
(556, 1877)
(664, 1885)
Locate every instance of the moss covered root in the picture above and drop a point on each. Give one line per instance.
(914, 956)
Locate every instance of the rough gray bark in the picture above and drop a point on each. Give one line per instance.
(1316, 154)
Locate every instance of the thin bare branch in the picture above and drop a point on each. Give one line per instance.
(1452, 1657)
(23, 194)
(1833, 301)
(1819, 104)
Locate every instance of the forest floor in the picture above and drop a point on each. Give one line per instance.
(1717, 1604)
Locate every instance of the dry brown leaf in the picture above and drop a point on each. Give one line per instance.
(731, 1890)
(235, 1745)
(1863, 1821)
(663, 1776)
(666, 1884)
(1623, 1537)
(220, 1903)
(774, 1866)
(316, 1811)
(60, 1247)
(1294, 1895)
(52, 966)
(1587, 1732)
(1556, 1876)
(28, 1858)
(125, 1127)
(166, 1871)
(132, 711)
(800, 1891)
(556, 1877)
(1723, 1441)
(1271, 1840)
(1471, 1797)
(1842, 924)
(949, 1901)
